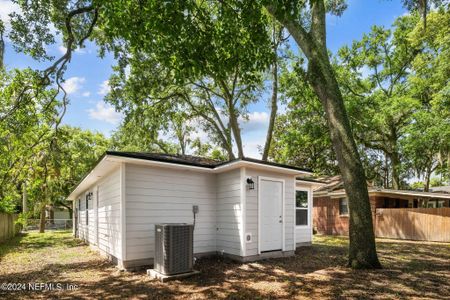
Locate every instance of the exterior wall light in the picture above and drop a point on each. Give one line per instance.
(250, 183)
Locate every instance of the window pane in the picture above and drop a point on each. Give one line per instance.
(343, 207)
(301, 217)
(301, 199)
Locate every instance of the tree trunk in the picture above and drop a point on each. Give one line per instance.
(396, 164)
(362, 248)
(229, 152)
(273, 106)
(228, 142)
(2, 50)
(24, 198)
(386, 170)
(426, 187)
(236, 130)
(42, 220)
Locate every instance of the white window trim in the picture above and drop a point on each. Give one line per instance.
(308, 209)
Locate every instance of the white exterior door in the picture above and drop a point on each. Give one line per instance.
(271, 215)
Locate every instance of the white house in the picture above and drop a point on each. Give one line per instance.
(118, 203)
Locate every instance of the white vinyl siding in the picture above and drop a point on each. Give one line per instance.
(104, 215)
(158, 195)
(229, 212)
(109, 238)
(85, 230)
(82, 229)
(91, 217)
(252, 209)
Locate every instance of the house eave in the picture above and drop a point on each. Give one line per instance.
(109, 160)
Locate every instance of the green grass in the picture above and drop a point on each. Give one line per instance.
(411, 270)
(34, 242)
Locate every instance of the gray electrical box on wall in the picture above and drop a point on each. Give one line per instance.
(195, 209)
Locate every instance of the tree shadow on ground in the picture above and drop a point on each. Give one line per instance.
(411, 270)
(11, 244)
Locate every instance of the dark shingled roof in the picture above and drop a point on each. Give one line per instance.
(196, 161)
(171, 158)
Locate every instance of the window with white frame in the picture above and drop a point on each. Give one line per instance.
(301, 208)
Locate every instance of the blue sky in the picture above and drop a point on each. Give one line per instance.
(87, 74)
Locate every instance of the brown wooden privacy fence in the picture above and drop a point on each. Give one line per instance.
(8, 228)
(422, 224)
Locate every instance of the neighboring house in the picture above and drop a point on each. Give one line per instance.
(247, 209)
(331, 206)
(58, 217)
(57, 214)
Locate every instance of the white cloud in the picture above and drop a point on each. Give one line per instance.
(256, 121)
(104, 112)
(104, 88)
(254, 132)
(80, 50)
(86, 94)
(63, 50)
(73, 84)
(7, 7)
(252, 148)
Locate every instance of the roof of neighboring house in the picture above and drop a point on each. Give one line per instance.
(309, 179)
(440, 189)
(110, 159)
(331, 184)
(334, 187)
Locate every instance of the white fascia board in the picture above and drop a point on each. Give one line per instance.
(250, 164)
(86, 182)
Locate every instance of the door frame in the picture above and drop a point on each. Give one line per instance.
(283, 238)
